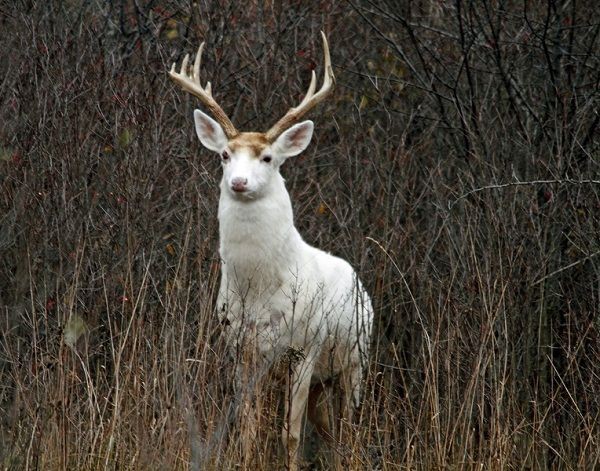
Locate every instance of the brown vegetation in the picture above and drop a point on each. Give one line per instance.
(456, 167)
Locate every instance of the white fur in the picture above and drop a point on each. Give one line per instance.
(294, 140)
(209, 132)
(278, 292)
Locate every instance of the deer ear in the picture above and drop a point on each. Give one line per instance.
(294, 140)
(210, 132)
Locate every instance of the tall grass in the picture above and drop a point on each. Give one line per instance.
(456, 168)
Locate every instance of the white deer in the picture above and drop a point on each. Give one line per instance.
(277, 292)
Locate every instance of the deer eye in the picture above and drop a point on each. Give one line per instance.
(267, 158)
(225, 155)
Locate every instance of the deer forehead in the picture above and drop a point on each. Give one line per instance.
(255, 142)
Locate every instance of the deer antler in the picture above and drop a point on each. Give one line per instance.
(191, 84)
(310, 100)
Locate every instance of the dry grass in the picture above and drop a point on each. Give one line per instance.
(488, 302)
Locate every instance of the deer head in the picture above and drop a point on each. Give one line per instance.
(251, 159)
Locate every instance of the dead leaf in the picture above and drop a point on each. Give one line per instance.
(364, 102)
(74, 329)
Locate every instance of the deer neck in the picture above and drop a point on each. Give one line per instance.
(259, 244)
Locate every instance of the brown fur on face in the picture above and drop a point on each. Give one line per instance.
(255, 141)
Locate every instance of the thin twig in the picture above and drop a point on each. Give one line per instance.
(519, 183)
(412, 297)
(570, 265)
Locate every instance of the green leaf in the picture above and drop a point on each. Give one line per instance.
(125, 138)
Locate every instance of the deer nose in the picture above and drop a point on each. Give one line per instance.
(238, 184)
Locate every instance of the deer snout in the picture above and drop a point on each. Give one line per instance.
(239, 184)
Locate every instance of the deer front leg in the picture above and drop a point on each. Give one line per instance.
(296, 396)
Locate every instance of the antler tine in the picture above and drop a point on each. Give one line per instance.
(310, 99)
(190, 82)
(197, 62)
(311, 90)
(184, 65)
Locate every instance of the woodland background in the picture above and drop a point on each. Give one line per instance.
(456, 167)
